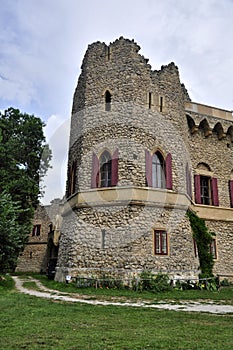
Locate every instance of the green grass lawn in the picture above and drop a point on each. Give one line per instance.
(32, 323)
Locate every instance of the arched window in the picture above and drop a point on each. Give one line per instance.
(108, 100)
(158, 171)
(105, 169)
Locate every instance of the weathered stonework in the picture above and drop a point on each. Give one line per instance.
(111, 229)
(36, 254)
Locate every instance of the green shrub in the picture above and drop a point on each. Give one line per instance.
(186, 285)
(225, 283)
(106, 281)
(154, 283)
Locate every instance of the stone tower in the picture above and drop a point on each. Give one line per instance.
(130, 169)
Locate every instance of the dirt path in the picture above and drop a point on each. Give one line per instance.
(44, 292)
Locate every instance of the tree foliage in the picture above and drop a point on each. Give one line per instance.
(203, 238)
(24, 160)
(12, 233)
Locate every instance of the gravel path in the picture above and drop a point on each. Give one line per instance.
(44, 292)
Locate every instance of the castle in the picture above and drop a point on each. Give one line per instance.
(140, 154)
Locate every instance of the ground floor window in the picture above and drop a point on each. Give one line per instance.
(36, 230)
(160, 242)
(213, 248)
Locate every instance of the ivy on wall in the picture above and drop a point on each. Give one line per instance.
(203, 238)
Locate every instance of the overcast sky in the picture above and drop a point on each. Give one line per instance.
(42, 44)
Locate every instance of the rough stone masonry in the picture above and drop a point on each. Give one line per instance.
(141, 153)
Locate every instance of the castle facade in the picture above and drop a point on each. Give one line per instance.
(141, 153)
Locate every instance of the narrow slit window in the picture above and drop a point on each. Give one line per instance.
(102, 239)
(213, 249)
(195, 248)
(108, 53)
(108, 100)
(150, 100)
(161, 103)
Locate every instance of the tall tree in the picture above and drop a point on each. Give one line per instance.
(24, 160)
(12, 234)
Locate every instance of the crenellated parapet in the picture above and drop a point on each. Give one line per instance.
(209, 119)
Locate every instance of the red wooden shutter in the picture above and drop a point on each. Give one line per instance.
(197, 185)
(148, 168)
(168, 166)
(231, 192)
(68, 182)
(188, 181)
(115, 158)
(214, 188)
(95, 171)
(73, 174)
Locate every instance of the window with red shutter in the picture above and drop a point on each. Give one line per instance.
(188, 181)
(73, 177)
(115, 159)
(95, 171)
(68, 185)
(214, 189)
(231, 192)
(169, 171)
(158, 171)
(105, 169)
(197, 186)
(148, 168)
(206, 190)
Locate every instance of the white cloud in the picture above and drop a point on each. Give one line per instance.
(57, 134)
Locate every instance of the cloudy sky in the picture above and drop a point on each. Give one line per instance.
(42, 44)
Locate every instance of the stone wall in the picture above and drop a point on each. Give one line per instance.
(119, 241)
(224, 241)
(34, 258)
